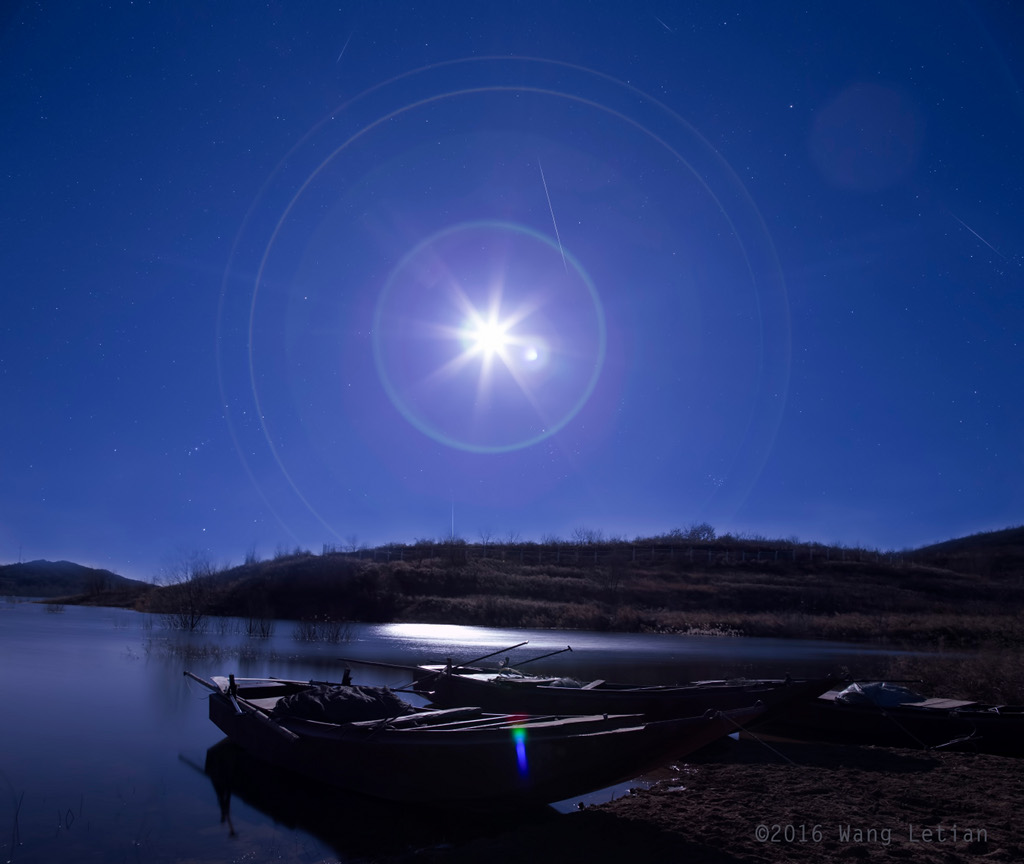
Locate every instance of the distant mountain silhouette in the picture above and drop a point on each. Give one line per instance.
(60, 579)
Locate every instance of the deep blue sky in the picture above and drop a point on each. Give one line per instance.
(281, 275)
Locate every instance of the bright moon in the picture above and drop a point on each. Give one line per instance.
(489, 337)
(482, 339)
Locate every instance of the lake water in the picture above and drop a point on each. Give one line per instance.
(108, 755)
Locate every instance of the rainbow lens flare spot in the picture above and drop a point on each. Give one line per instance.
(519, 736)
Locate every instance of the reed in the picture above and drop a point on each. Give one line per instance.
(203, 651)
(15, 822)
(990, 674)
(326, 630)
(259, 627)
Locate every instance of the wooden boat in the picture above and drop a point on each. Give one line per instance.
(509, 691)
(458, 756)
(886, 715)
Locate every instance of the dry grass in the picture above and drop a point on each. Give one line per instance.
(948, 598)
(990, 674)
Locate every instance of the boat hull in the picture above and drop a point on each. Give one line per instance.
(494, 693)
(492, 761)
(968, 728)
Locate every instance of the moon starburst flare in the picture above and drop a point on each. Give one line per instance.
(488, 337)
(483, 343)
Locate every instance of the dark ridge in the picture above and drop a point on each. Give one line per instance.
(62, 579)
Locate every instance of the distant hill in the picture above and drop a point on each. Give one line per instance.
(61, 579)
(997, 554)
(963, 592)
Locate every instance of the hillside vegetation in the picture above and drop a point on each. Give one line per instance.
(963, 593)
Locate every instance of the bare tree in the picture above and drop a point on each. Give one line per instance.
(456, 550)
(187, 592)
(700, 531)
(587, 536)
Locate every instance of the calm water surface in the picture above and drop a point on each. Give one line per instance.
(108, 755)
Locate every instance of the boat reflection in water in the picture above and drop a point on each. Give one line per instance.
(352, 826)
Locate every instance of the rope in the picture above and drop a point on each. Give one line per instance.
(904, 729)
(758, 740)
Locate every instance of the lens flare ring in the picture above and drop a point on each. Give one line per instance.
(578, 88)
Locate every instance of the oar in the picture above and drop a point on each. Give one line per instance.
(254, 710)
(229, 693)
(485, 656)
(550, 654)
(416, 668)
(430, 676)
(378, 663)
(203, 681)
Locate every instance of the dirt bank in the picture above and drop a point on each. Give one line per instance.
(782, 801)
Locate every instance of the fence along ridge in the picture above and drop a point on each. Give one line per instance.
(581, 554)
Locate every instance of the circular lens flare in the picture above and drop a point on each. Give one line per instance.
(292, 373)
(486, 340)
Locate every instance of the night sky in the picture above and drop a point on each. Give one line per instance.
(280, 275)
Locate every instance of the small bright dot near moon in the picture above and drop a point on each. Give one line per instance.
(530, 354)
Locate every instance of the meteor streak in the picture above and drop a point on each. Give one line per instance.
(552, 210)
(344, 47)
(976, 234)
